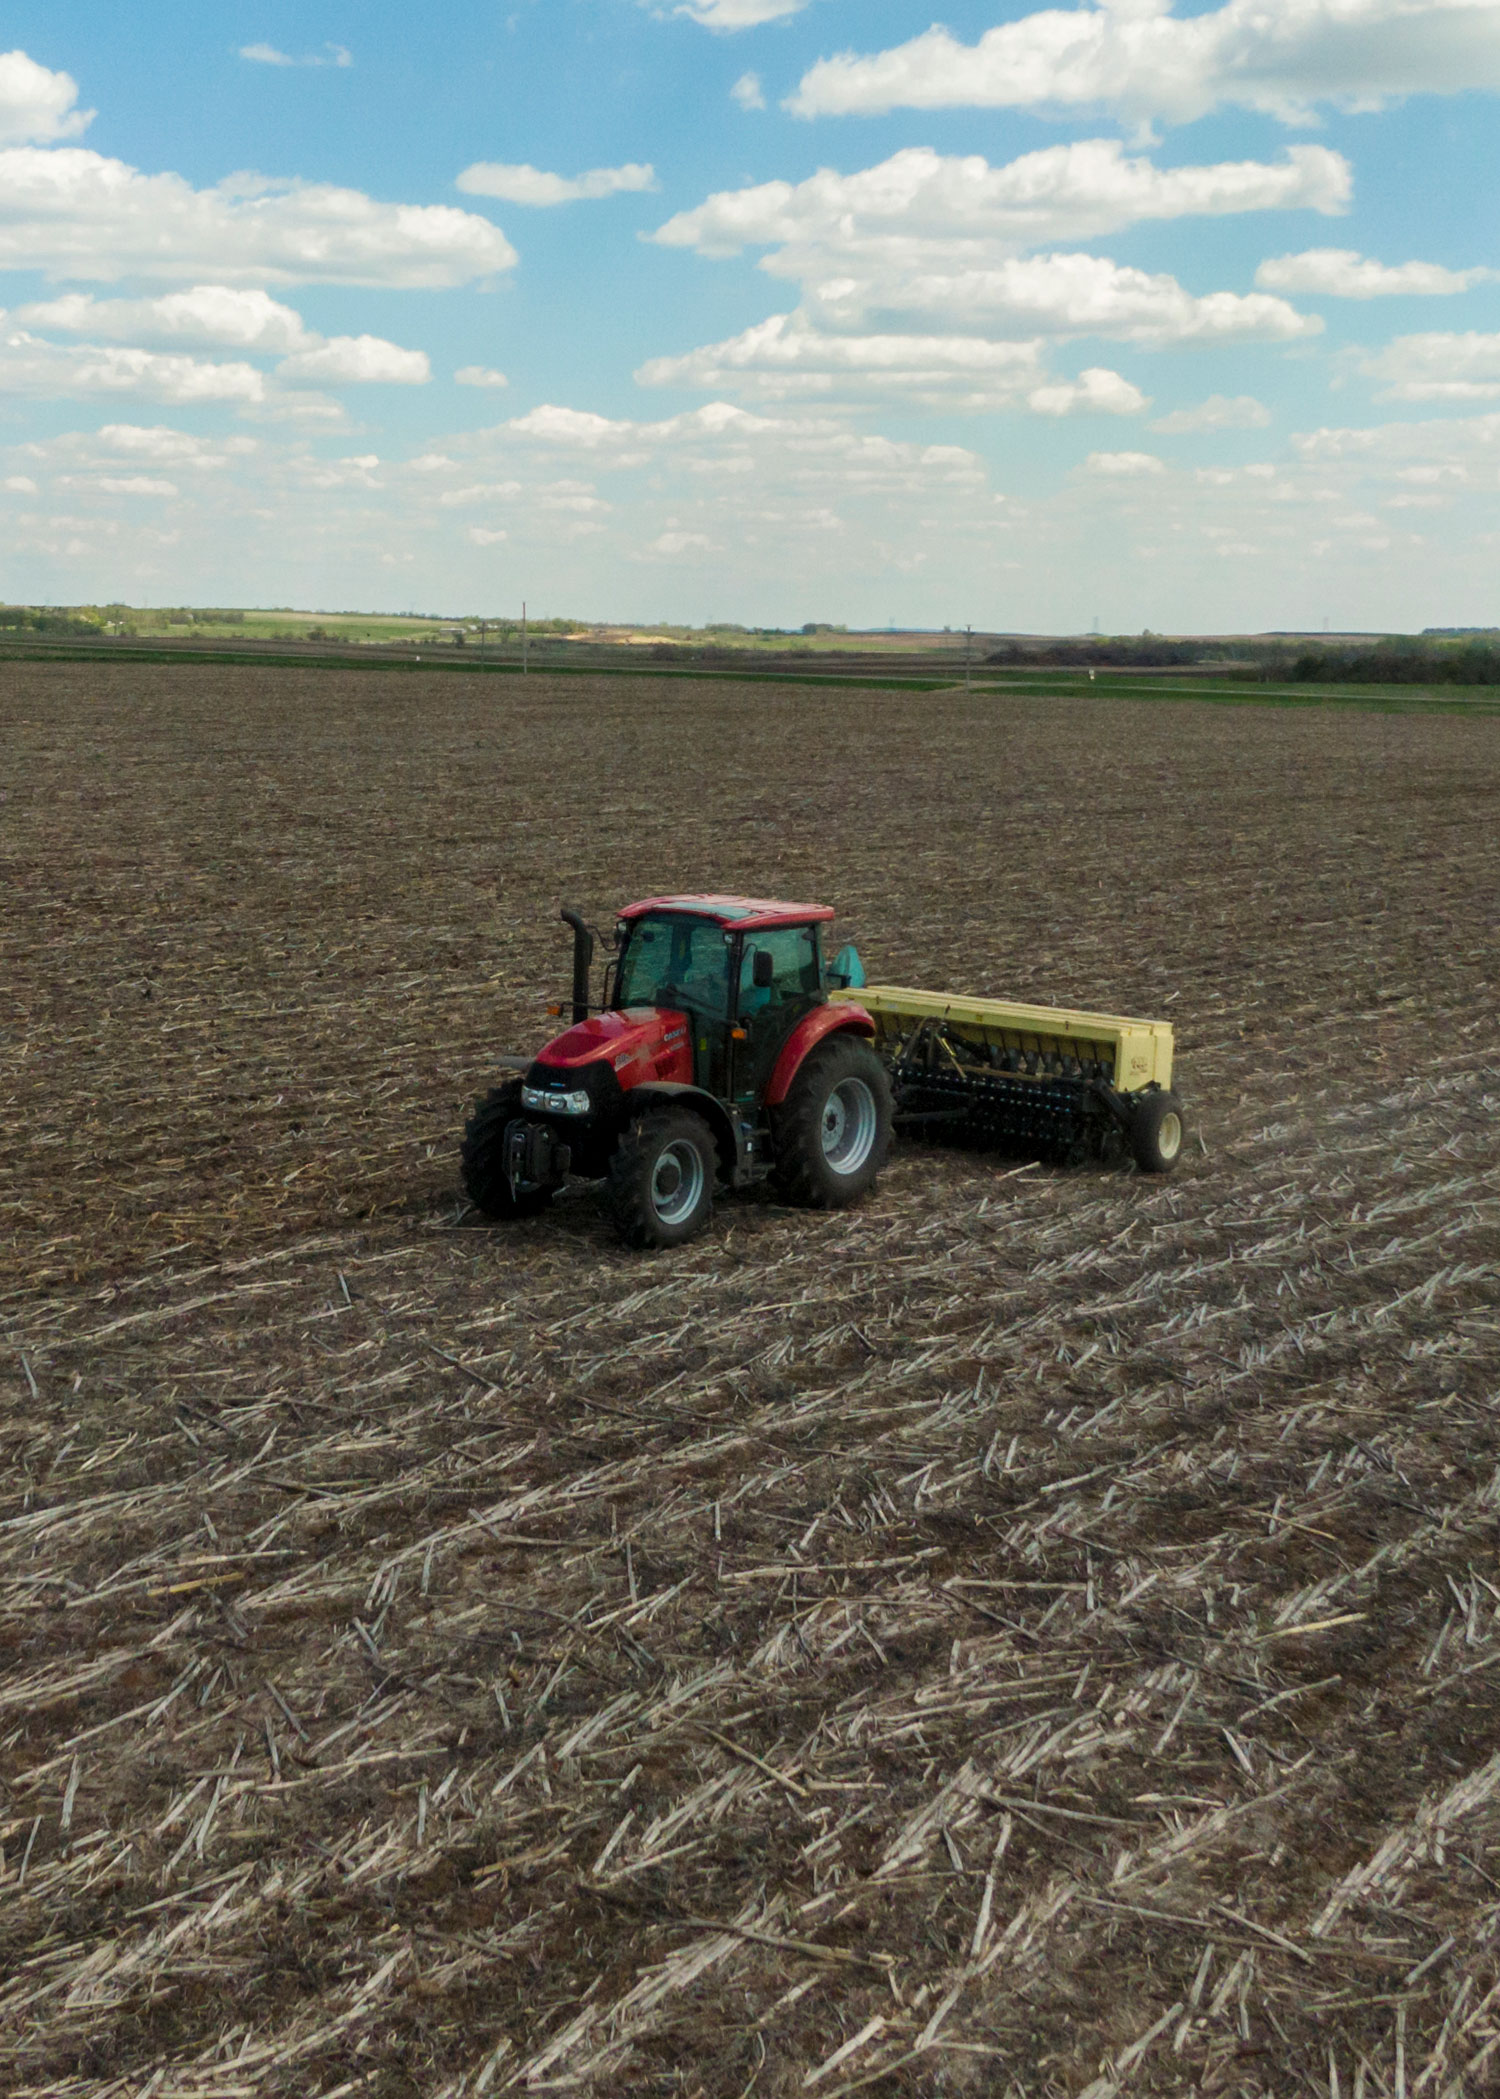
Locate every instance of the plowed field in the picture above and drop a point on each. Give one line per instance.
(1037, 1634)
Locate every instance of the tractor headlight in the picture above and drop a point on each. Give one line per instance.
(541, 1102)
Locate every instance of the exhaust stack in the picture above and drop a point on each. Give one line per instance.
(583, 956)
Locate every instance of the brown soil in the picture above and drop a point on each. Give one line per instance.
(1037, 1633)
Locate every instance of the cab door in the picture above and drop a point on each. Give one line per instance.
(767, 1013)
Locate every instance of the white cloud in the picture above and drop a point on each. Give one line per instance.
(1123, 464)
(50, 371)
(573, 427)
(268, 55)
(720, 435)
(477, 492)
(523, 184)
(73, 213)
(937, 238)
(671, 544)
(833, 223)
(1342, 273)
(1068, 295)
(135, 485)
(786, 358)
(748, 92)
(165, 447)
(20, 485)
(1439, 367)
(226, 316)
(357, 360)
(729, 15)
(479, 536)
(1218, 412)
(37, 105)
(479, 375)
(1096, 391)
(1282, 57)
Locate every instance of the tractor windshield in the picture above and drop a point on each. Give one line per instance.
(676, 962)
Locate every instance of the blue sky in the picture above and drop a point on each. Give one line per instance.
(762, 310)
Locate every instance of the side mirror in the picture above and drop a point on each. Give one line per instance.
(762, 969)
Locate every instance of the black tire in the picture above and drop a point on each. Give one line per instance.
(833, 1130)
(661, 1178)
(1156, 1132)
(482, 1158)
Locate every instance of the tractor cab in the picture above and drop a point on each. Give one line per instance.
(743, 974)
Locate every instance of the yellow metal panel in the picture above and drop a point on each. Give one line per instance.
(1140, 1051)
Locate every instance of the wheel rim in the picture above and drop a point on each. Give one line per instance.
(1169, 1136)
(850, 1122)
(677, 1182)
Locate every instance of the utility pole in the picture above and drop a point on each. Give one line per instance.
(968, 661)
(483, 628)
(525, 644)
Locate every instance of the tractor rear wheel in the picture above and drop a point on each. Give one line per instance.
(482, 1158)
(834, 1128)
(1156, 1132)
(661, 1178)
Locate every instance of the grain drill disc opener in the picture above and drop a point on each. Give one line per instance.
(726, 1050)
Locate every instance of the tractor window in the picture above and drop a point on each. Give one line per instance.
(675, 961)
(797, 978)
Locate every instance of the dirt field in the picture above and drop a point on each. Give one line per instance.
(1037, 1634)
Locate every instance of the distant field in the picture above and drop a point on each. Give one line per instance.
(910, 663)
(1038, 1633)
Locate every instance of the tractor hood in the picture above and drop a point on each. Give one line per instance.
(643, 1042)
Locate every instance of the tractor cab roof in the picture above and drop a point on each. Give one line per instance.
(744, 913)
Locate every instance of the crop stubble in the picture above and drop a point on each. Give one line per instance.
(1037, 1633)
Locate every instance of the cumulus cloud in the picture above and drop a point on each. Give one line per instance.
(268, 55)
(357, 360)
(1439, 367)
(786, 358)
(135, 485)
(1096, 391)
(523, 184)
(37, 105)
(1342, 273)
(1218, 412)
(1123, 464)
(748, 92)
(940, 238)
(672, 544)
(721, 435)
(479, 375)
(1285, 58)
(832, 223)
(729, 15)
(74, 213)
(223, 315)
(1070, 295)
(51, 371)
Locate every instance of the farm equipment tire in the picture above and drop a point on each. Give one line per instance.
(1156, 1132)
(834, 1129)
(483, 1158)
(661, 1178)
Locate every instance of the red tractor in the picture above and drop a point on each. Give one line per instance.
(715, 1058)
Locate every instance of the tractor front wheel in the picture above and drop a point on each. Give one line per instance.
(834, 1128)
(661, 1178)
(482, 1158)
(1156, 1132)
